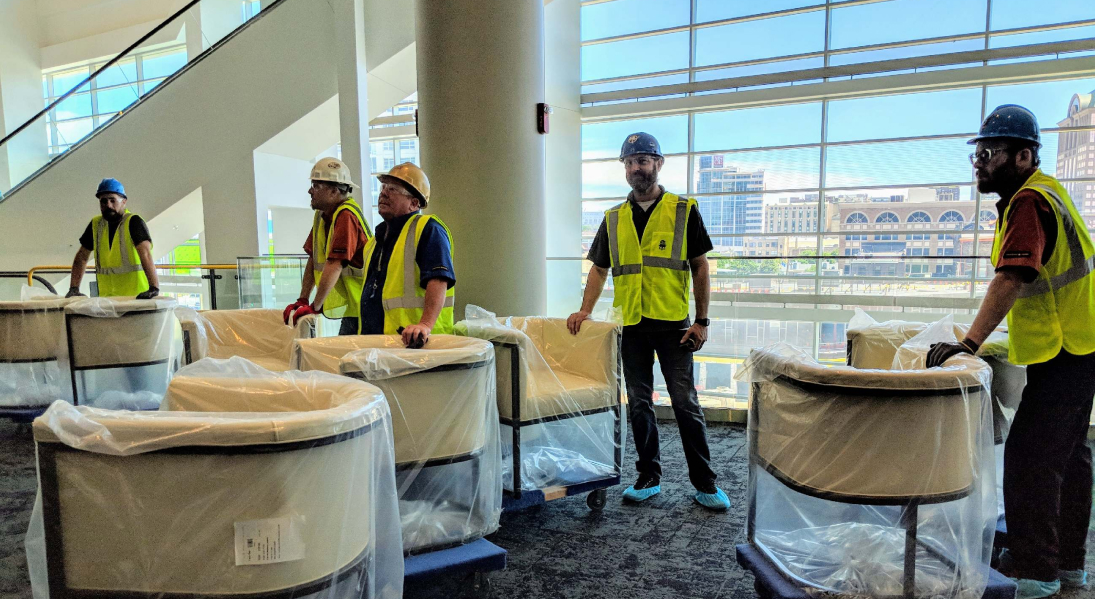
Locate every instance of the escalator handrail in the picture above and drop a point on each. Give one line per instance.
(144, 38)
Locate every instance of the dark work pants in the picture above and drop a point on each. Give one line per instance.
(676, 362)
(1047, 468)
(348, 326)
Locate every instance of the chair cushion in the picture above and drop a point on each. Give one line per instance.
(561, 393)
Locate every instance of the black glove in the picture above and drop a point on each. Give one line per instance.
(151, 293)
(74, 292)
(941, 352)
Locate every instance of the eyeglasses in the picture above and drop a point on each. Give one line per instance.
(984, 156)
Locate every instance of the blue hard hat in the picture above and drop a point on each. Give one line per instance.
(110, 185)
(1010, 121)
(640, 143)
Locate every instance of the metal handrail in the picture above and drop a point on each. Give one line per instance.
(106, 66)
(68, 268)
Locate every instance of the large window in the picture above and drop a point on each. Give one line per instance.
(104, 97)
(858, 194)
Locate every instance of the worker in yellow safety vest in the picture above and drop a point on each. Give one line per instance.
(1044, 285)
(334, 246)
(651, 243)
(410, 282)
(122, 246)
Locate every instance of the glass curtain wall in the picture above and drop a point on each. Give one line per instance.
(817, 207)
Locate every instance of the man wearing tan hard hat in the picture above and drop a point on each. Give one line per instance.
(335, 249)
(413, 247)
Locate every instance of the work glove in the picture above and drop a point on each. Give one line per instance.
(414, 336)
(941, 352)
(151, 293)
(301, 312)
(300, 303)
(74, 292)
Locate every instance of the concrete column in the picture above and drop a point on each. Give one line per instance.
(20, 93)
(563, 208)
(353, 97)
(231, 215)
(208, 22)
(480, 76)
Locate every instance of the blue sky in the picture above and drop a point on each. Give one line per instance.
(921, 114)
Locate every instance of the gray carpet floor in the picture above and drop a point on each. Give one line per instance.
(667, 547)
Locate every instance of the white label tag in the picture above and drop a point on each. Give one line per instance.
(268, 541)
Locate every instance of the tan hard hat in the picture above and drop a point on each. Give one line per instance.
(413, 176)
(332, 170)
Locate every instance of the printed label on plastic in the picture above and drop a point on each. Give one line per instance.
(268, 541)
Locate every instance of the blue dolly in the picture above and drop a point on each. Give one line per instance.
(474, 559)
(22, 415)
(771, 584)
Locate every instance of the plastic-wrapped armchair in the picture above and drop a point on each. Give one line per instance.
(875, 345)
(121, 352)
(871, 482)
(31, 340)
(559, 402)
(259, 334)
(445, 422)
(247, 483)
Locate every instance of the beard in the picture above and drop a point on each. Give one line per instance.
(1006, 176)
(641, 181)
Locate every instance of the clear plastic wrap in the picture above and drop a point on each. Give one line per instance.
(246, 483)
(121, 353)
(873, 344)
(445, 423)
(872, 482)
(559, 398)
(32, 343)
(259, 334)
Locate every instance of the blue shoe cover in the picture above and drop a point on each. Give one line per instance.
(717, 501)
(1073, 579)
(1036, 589)
(637, 495)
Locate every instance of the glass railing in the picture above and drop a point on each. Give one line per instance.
(81, 98)
(200, 286)
(274, 282)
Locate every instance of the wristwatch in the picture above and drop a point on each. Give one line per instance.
(703, 322)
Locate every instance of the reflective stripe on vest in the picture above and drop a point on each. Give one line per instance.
(410, 300)
(118, 270)
(650, 274)
(1080, 266)
(1057, 310)
(344, 299)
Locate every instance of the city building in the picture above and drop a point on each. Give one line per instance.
(887, 249)
(739, 213)
(1076, 155)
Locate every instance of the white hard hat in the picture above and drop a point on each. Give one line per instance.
(333, 170)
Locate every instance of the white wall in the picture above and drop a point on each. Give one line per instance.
(291, 228)
(20, 91)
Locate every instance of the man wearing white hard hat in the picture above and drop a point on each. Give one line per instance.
(409, 247)
(335, 249)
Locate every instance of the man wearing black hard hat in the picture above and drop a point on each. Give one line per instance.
(651, 244)
(1044, 285)
(122, 247)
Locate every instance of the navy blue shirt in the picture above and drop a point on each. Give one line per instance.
(433, 256)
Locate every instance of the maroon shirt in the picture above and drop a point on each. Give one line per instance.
(1031, 234)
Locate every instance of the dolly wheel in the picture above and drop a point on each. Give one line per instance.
(596, 500)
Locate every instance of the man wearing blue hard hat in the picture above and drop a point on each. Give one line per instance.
(1044, 285)
(122, 247)
(651, 243)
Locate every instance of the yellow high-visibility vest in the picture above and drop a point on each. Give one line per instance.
(344, 300)
(403, 298)
(1057, 309)
(651, 275)
(118, 270)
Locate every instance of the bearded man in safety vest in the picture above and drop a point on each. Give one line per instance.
(334, 247)
(409, 277)
(122, 247)
(651, 242)
(1043, 256)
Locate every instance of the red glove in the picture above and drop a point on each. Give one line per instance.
(302, 312)
(300, 303)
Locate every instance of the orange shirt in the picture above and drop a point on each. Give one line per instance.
(1031, 236)
(347, 240)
